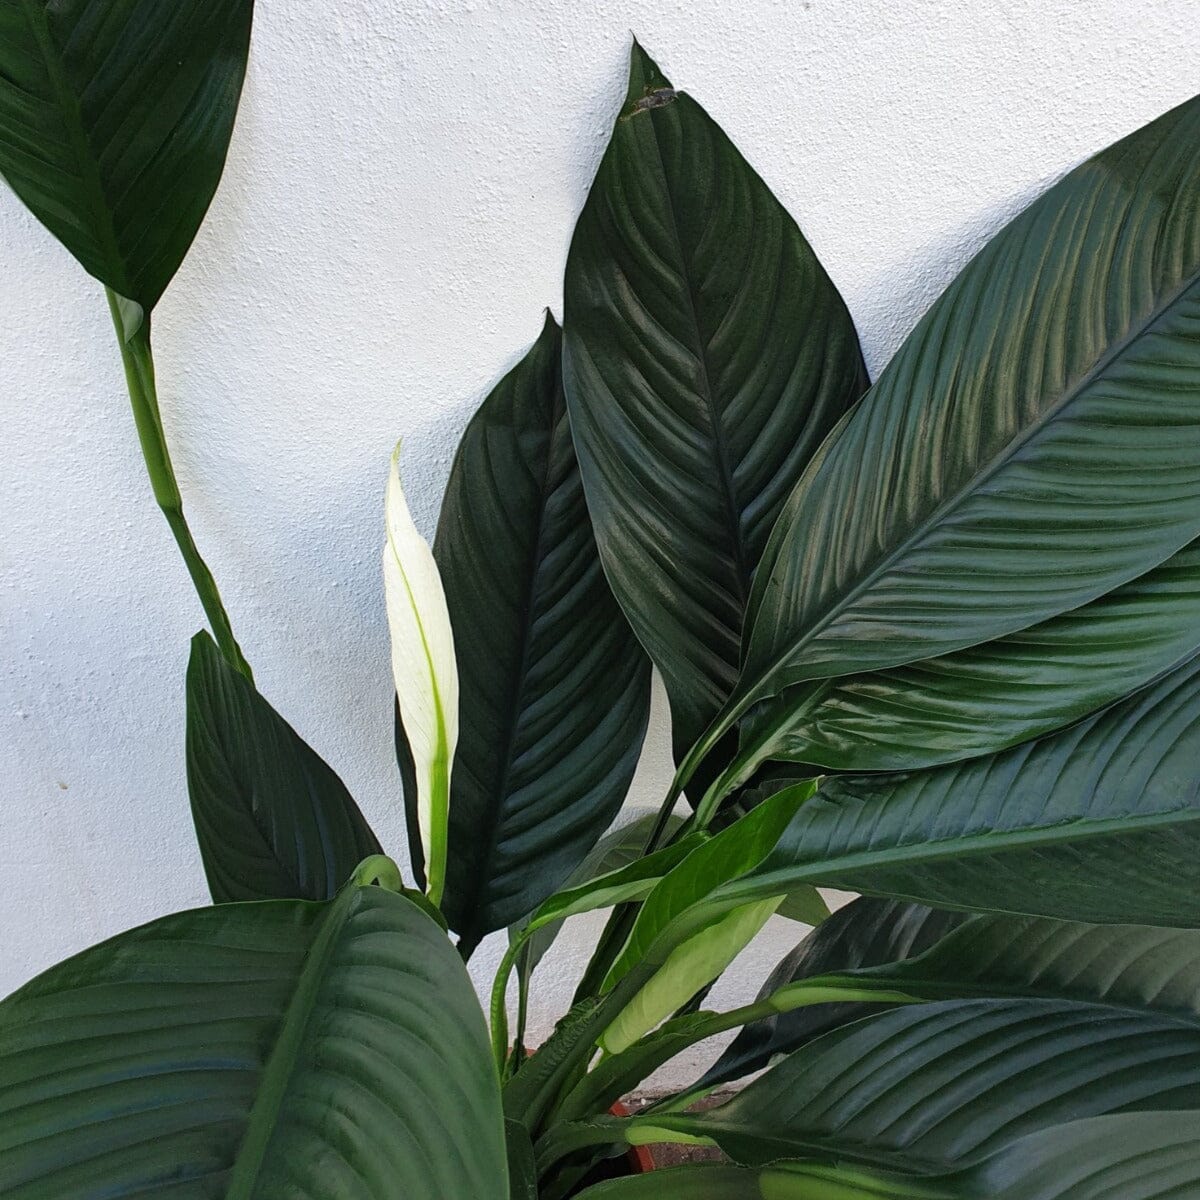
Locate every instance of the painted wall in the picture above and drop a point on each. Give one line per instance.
(401, 190)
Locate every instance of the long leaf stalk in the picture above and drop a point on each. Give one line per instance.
(143, 395)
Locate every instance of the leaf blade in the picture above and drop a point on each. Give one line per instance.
(272, 819)
(115, 120)
(706, 355)
(537, 629)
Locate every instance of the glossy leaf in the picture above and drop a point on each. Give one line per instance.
(866, 933)
(272, 819)
(554, 688)
(685, 888)
(254, 1050)
(1132, 966)
(995, 695)
(115, 116)
(425, 674)
(1134, 1156)
(1098, 823)
(706, 356)
(997, 473)
(692, 965)
(936, 1087)
(617, 850)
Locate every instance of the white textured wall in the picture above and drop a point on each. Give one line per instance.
(400, 193)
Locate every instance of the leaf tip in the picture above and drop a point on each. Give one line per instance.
(648, 87)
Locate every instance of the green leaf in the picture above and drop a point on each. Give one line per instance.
(554, 688)
(992, 696)
(272, 819)
(1130, 966)
(617, 850)
(738, 849)
(805, 905)
(115, 117)
(1098, 823)
(866, 933)
(690, 966)
(936, 1087)
(522, 1169)
(1034, 444)
(1135, 1156)
(253, 1051)
(425, 673)
(706, 356)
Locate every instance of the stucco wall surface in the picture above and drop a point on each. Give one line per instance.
(396, 211)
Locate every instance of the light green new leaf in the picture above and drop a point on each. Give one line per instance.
(706, 355)
(425, 672)
(692, 965)
(1034, 444)
(115, 116)
(683, 891)
(254, 1052)
(1098, 823)
(1134, 1156)
(937, 1087)
(617, 850)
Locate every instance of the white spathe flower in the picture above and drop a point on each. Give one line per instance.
(425, 671)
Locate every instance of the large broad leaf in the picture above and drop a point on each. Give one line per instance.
(554, 688)
(250, 1052)
(272, 819)
(425, 674)
(115, 116)
(706, 356)
(1098, 823)
(1034, 444)
(992, 696)
(1134, 1156)
(868, 932)
(935, 1087)
(1131, 966)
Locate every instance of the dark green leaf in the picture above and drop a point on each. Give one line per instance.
(1131, 966)
(995, 695)
(272, 819)
(254, 1051)
(706, 356)
(1034, 444)
(936, 1087)
(1098, 823)
(554, 688)
(1135, 1156)
(115, 116)
(866, 933)
(522, 1170)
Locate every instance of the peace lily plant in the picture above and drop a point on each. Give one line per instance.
(934, 640)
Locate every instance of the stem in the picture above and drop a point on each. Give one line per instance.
(143, 395)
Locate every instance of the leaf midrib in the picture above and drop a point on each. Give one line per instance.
(499, 794)
(724, 471)
(285, 1055)
(88, 174)
(1002, 456)
(981, 844)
